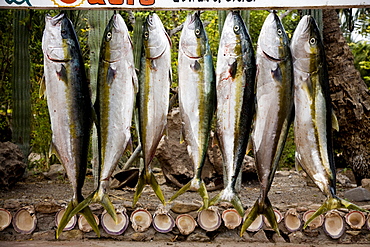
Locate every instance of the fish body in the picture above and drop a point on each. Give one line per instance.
(154, 88)
(196, 78)
(313, 113)
(70, 108)
(235, 78)
(116, 91)
(274, 104)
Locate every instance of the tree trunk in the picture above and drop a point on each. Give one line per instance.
(350, 97)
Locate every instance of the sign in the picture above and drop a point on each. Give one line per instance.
(184, 4)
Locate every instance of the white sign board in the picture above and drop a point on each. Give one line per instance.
(183, 4)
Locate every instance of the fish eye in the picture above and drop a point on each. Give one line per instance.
(109, 36)
(312, 41)
(279, 32)
(236, 28)
(146, 35)
(197, 32)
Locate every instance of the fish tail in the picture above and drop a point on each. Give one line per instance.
(333, 202)
(197, 184)
(229, 196)
(147, 177)
(71, 211)
(263, 207)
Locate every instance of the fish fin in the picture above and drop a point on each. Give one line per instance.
(233, 68)
(333, 203)
(111, 74)
(181, 191)
(261, 207)
(42, 89)
(135, 81)
(229, 196)
(249, 145)
(68, 214)
(87, 213)
(107, 204)
(298, 166)
(277, 74)
(334, 121)
(139, 187)
(200, 187)
(62, 73)
(98, 196)
(64, 220)
(204, 194)
(157, 189)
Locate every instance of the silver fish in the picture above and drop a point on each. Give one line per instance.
(274, 94)
(70, 107)
(314, 118)
(196, 97)
(235, 78)
(154, 89)
(116, 90)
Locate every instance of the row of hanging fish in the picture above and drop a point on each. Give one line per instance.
(252, 98)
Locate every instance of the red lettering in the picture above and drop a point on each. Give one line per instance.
(102, 2)
(130, 2)
(147, 2)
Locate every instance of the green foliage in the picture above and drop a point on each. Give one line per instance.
(361, 52)
(287, 159)
(6, 56)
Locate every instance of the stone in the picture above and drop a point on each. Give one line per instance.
(44, 235)
(12, 167)
(260, 236)
(47, 207)
(358, 194)
(71, 235)
(198, 236)
(56, 171)
(365, 183)
(175, 161)
(183, 208)
(344, 180)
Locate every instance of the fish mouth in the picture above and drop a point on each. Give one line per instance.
(56, 19)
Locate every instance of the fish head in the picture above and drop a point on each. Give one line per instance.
(116, 39)
(156, 40)
(307, 46)
(273, 41)
(193, 40)
(233, 33)
(58, 38)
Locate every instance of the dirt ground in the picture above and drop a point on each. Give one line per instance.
(289, 189)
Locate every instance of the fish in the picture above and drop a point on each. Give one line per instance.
(69, 103)
(155, 79)
(117, 85)
(274, 111)
(197, 98)
(235, 82)
(314, 117)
